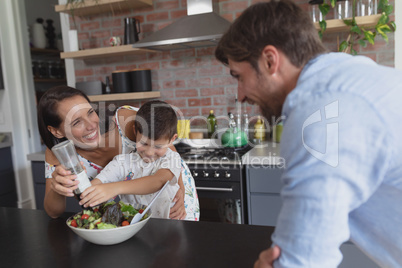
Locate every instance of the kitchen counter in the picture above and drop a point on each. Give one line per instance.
(5, 139)
(265, 154)
(39, 156)
(29, 238)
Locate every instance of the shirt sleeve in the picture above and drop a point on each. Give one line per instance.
(335, 148)
(116, 169)
(172, 162)
(49, 169)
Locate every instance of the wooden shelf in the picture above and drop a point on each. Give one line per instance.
(44, 51)
(104, 51)
(49, 80)
(125, 96)
(91, 7)
(339, 25)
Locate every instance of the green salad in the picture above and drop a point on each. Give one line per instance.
(106, 216)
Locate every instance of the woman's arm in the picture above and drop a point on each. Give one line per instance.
(100, 193)
(58, 187)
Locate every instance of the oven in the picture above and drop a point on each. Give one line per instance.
(218, 175)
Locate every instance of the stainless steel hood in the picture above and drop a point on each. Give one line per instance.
(201, 27)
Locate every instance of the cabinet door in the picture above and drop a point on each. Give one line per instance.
(354, 258)
(265, 180)
(264, 209)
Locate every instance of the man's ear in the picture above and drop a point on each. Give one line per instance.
(55, 132)
(270, 59)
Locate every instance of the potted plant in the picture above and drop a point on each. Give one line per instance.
(359, 35)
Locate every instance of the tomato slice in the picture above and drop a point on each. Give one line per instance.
(96, 209)
(125, 223)
(74, 223)
(85, 216)
(141, 210)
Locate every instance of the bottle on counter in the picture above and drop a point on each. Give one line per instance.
(211, 123)
(246, 125)
(66, 154)
(259, 130)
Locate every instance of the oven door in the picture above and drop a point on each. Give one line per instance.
(220, 201)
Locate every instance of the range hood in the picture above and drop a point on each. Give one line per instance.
(201, 27)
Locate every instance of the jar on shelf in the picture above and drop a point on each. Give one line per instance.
(314, 10)
(343, 9)
(42, 69)
(366, 7)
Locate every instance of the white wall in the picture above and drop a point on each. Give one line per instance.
(18, 99)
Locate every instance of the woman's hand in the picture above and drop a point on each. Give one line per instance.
(178, 211)
(267, 258)
(63, 182)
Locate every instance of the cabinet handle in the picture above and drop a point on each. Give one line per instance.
(214, 189)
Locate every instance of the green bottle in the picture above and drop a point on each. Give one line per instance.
(211, 122)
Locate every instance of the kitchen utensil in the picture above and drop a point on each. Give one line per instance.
(196, 135)
(131, 31)
(38, 34)
(121, 81)
(140, 80)
(66, 154)
(234, 138)
(139, 216)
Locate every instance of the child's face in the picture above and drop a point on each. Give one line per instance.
(150, 150)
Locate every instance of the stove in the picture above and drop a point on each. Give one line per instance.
(218, 175)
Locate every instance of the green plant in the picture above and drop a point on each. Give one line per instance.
(73, 4)
(357, 34)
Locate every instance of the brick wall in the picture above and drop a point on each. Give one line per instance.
(191, 79)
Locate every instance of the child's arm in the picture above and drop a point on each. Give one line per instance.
(100, 193)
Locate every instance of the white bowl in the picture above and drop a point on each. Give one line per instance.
(114, 235)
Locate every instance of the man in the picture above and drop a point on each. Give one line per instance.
(341, 137)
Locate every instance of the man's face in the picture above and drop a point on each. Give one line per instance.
(261, 88)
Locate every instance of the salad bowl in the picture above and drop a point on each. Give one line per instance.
(111, 236)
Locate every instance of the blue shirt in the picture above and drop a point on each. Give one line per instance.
(342, 143)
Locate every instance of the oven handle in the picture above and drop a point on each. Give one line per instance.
(214, 189)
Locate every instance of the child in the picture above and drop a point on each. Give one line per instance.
(138, 176)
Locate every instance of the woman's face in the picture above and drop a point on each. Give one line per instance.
(80, 123)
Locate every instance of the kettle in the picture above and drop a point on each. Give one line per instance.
(131, 30)
(234, 138)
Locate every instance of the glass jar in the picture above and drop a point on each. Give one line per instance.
(343, 9)
(366, 7)
(314, 10)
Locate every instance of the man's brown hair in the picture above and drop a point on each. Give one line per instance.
(282, 24)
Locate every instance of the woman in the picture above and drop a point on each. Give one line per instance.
(65, 113)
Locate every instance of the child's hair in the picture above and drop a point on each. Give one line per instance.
(155, 120)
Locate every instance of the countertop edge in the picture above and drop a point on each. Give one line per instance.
(7, 141)
(39, 156)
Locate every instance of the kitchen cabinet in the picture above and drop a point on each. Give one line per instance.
(48, 70)
(264, 203)
(8, 193)
(340, 26)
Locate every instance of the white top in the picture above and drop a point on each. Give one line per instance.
(131, 166)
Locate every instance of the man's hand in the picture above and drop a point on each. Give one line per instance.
(267, 258)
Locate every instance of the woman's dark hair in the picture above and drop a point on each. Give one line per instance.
(282, 24)
(156, 119)
(47, 111)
